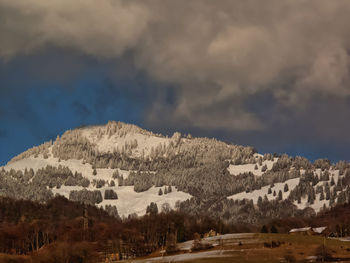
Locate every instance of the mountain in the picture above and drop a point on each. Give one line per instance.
(128, 170)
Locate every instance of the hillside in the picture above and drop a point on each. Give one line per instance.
(124, 168)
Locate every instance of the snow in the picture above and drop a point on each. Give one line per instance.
(344, 239)
(132, 202)
(317, 205)
(106, 143)
(319, 230)
(186, 257)
(128, 201)
(74, 165)
(245, 168)
(292, 183)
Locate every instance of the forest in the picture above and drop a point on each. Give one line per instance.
(65, 231)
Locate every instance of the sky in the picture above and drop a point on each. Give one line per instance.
(271, 74)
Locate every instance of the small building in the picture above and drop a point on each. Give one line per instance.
(301, 231)
(211, 233)
(309, 231)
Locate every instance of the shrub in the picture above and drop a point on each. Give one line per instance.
(264, 229)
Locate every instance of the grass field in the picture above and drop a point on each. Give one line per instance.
(257, 248)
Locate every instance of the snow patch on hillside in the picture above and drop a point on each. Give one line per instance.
(292, 183)
(106, 143)
(129, 201)
(246, 168)
(74, 165)
(317, 205)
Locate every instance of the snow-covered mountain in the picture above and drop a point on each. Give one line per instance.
(124, 168)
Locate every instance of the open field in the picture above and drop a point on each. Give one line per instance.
(258, 248)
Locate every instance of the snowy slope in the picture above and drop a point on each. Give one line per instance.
(246, 168)
(318, 204)
(74, 165)
(128, 201)
(292, 183)
(115, 142)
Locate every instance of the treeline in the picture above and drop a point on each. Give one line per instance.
(336, 219)
(65, 231)
(236, 211)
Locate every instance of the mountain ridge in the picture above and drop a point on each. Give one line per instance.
(234, 181)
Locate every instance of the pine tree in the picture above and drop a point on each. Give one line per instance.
(332, 200)
(160, 192)
(121, 180)
(269, 191)
(165, 190)
(94, 171)
(260, 201)
(170, 189)
(266, 200)
(310, 197)
(332, 181)
(326, 176)
(299, 199)
(280, 196)
(321, 196)
(341, 198)
(273, 229)
(339, 186)
(152, 208)
(264, 229)
(327, 191)
(274, 193)
(286, 189)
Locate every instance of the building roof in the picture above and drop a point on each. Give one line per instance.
(304, 229)
(319, 230)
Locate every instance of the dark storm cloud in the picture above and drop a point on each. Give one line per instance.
(244, 68)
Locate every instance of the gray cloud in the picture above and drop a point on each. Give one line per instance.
(218, 54)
